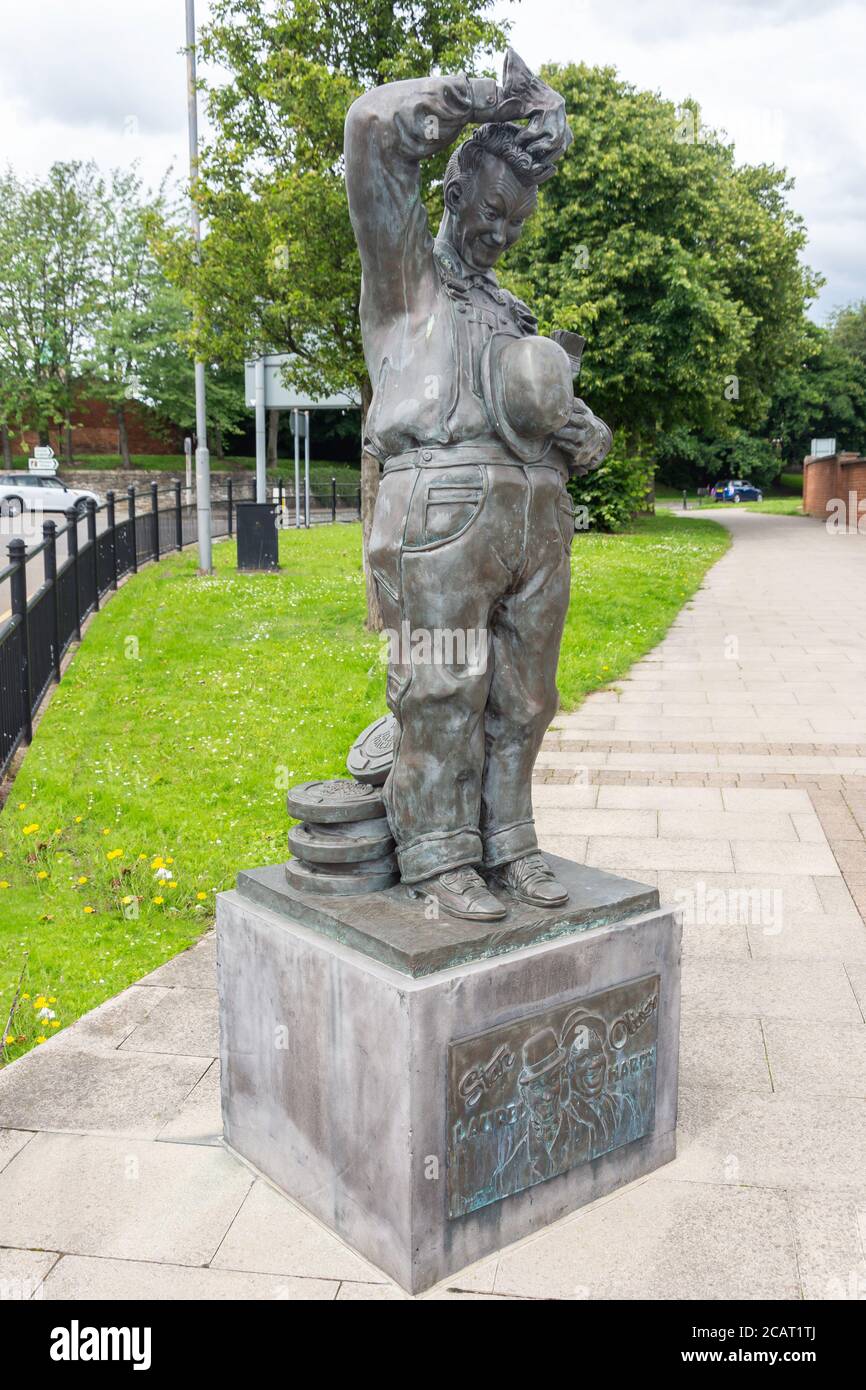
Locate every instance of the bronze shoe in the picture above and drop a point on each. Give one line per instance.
(463, 893)
(530, 880)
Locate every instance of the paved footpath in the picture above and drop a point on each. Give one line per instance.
(730, 769)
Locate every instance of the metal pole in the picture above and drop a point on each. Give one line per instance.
(154, 511)
(229, 503)
(72, 548)
(261, 434)
(130, 511)
(178, 517)
(18, 604)
(333, 499)
(94, 554)
(307, 468)
(112, 532)
(49, 532)
(202, 457)
(297, 416)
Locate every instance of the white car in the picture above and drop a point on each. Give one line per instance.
(35, 492)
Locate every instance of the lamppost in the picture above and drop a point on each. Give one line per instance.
(202, 457)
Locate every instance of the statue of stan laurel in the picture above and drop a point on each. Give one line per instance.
(477, 427)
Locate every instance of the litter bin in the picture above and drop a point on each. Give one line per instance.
(257, 536)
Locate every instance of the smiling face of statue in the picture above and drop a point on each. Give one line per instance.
(488, 208)
(587, 1064)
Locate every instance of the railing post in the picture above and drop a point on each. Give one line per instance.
(154, 507)
(91, 536)
(333, 499)
(178, 516)
(359, 504)
(112, 533)
(72, 546)
(229, 491)
(18, 600)
(130, 502)
(49, 560)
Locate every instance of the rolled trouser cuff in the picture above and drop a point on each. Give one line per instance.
(435, 854)
(511, 842)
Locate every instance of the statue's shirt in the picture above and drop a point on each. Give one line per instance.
(425, 315)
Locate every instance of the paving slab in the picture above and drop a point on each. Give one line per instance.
(828, 1236)
(791, 989)
(195, 968)
(723, 1052)
(824, 1059)
(271, 1235)
(79, 1277)
(663, 1240)
(199, 1118)
(120, 1198)
(184, 1021)
(775, 1141)
(95, 1092)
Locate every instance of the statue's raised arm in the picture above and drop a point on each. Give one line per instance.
(391, 129)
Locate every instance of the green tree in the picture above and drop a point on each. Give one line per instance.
(848, 329)
(822, 396)
(49, 287)
(681, 268)
(279, 268)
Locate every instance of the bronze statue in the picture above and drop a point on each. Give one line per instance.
(477, 427)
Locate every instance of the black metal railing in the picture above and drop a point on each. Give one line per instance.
(48, 589)
(68, 573)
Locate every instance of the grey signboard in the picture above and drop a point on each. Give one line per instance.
(548, 1091)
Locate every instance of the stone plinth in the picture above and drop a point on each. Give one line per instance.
(434, 1097)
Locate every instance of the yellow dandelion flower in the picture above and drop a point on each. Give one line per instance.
(157, 863)
(39, 1001)
(25, 996)
(88, 910)
(127, 898)
(169, 861)
(159, 900)
(201, 897)
(142, 856)
(114, 854)
(42, 1039)
(55, 1023)
(78, 820)
(43, 873)
(4, 883)
(30, 829)
(82, 878)
(172, 883)
(7, 1042)
(22, 805)
(52, 999)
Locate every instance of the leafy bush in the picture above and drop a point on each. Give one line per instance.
(615, 491)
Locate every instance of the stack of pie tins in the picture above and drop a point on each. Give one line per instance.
(344, 844)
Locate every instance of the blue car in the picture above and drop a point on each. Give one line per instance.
(734, 491)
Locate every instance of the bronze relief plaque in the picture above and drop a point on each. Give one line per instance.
(532, 1098)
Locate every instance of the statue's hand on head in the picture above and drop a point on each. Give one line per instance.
(547, 135)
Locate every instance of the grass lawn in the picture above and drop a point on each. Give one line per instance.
(160, 766)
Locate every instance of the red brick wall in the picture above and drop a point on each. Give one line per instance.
(95, 431)
(833, 477)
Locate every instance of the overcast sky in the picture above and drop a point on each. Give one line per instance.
(102, 79)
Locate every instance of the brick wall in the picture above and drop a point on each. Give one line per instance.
(831, 478)
(95, 430)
